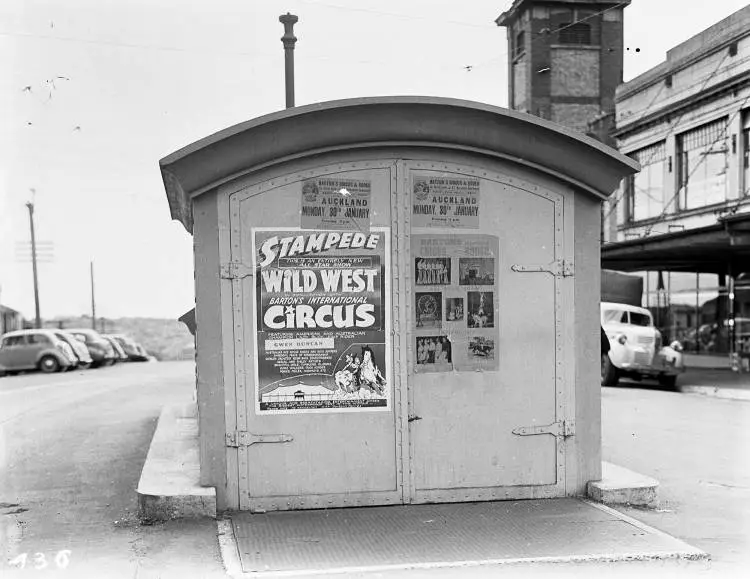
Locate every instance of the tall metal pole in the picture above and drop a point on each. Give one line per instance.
(30, 207)
(93, 302)
(289, 40)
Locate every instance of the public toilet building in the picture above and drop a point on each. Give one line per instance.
(396, 302)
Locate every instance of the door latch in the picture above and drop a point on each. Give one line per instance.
(559, 429)
(235, 270)
(244, 438)
(558, 268)
(414, 417)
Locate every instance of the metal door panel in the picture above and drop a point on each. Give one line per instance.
(462, 444)
(334, 458)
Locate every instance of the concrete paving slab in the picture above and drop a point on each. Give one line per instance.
(358, 540)
(169, 486)
(620, 486)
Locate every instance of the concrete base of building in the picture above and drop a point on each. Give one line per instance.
(566, 536)
(620, 486)
(169, 486)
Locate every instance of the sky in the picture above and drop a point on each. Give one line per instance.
(99, 90)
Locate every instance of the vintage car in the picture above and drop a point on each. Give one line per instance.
(636, 349)
(35, 349)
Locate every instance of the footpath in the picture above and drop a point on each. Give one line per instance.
(717, 382)
(558, 536)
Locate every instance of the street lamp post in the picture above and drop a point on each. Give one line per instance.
(30, 207)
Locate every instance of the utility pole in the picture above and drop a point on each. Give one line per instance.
(30, 207)
(289, 40)
(93, 302)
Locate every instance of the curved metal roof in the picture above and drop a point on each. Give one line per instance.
(396, 121)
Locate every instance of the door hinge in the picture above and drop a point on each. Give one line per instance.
(561, 428)
(244, 438)
(235, 270)
(558, 268)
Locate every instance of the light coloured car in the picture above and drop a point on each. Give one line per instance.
(120, 355)
(79, 348)
(100, 349)
(35, 350)
(636, 349)
(134, 351)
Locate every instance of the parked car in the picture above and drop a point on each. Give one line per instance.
(102, 352)
(35, 349)
(120, 355)
(144, 354)
(134, 351)
(636, 348)
(79, 348)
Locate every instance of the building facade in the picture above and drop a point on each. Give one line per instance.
(565, 61)
(683, 222)
(10, 320)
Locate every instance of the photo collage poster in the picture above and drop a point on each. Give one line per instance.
(455, 302)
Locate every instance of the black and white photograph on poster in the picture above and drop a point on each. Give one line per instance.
(476, 271)
(432, 270)
(481, 348)
(434, 350)
(360, 375)
(480, 310)
(428, 309)
(454, 309)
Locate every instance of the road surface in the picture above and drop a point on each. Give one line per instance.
(698, 448)
(72, 446)
(71, 451)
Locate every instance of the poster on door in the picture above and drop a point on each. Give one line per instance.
(455, 302)
(445, 201)
(322, 321)
(330, 203)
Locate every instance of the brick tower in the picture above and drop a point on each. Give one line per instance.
(565, 61)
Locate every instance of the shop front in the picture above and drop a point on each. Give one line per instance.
(396, 302)
(696, 283)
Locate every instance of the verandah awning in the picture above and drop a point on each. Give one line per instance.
(720, 248)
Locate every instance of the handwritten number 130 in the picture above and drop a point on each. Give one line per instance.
(39, 561)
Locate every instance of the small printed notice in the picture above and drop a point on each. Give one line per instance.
(322, 322)
(336, 204)
(455, 302)
(445, 201)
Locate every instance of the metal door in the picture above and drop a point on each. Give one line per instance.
(294, 446)
(484, 264)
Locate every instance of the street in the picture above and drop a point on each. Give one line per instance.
(73, 446)
(697, 448)
(71, 452)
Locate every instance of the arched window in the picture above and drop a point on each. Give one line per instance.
(575, 33)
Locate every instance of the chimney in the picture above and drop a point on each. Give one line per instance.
(289, 40)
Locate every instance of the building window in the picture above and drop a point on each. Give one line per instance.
(702, 165)
(520, 45)
(645, 190)
(575, 33)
